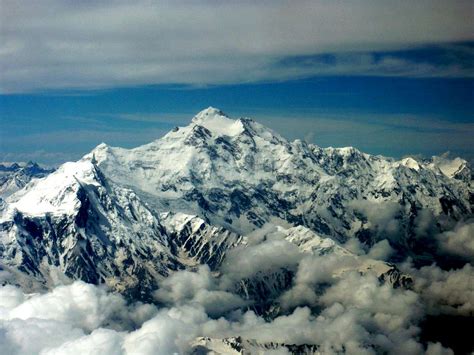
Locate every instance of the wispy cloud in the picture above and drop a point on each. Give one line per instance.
(448, 61)
(55, 45)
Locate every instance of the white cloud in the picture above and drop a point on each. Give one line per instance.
(99, 342)
(381, 250)
(445, 292)
(357, 313)
(438, 349)
(184, 287)
(53, 44)
(330, 304)
(268, 252)
(82, 305)
(381, 216)
(459, 241)
(168, 333)
(376, 314)
(32, 335)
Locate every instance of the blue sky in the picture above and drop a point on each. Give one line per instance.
(335, 74)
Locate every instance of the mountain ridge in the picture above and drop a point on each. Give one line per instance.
(201, 165)
(129, 216)
(15, 176)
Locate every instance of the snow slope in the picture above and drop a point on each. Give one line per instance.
(240, 175)
(129, 217)
(14, 176)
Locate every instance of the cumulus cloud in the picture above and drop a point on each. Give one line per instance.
(186, 287)
(85, 306)
(336, 302)
(169, 332)
(374, 316)
(459, 241)
(268, 251)
(30, 336)
(69, 318)
(445, 292)
(438, 349)
(54, 44)
(308, 276)
(316, 274)
(80, 304)
(100, 341)
(381, 250)
(380, 216)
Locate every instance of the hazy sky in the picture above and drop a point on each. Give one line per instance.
(389, 77)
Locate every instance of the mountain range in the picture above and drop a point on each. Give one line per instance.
(207, 192)
(14, 176)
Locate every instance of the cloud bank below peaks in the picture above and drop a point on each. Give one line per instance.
(335, 301)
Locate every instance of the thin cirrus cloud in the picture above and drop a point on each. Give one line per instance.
(56, 45)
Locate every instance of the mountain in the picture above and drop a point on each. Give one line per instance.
(130, 217)
(239, 175)
(76, 224)
(237, 345)
(14, 176)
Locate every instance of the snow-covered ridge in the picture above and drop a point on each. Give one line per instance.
(123, 215)
(15, 176)
(237, 345)
(218, 122)
(142, 222)
(56, 193)
(453, 168)
(239, 175)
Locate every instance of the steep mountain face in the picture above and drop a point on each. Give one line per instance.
(14, 176)
(127, 218)
(240, 175)
(75, 224)
(196, 242)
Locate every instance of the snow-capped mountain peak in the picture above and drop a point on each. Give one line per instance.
(410, 163)
(195, 193)
(218, 123)
(256, 224)
(56, 193)
(239, 174)
(453, 168)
